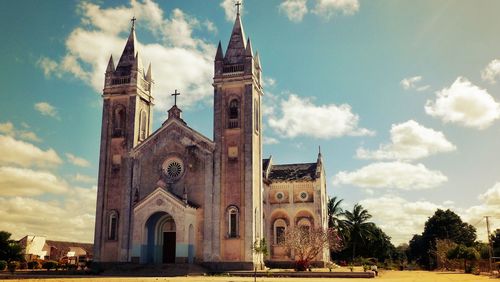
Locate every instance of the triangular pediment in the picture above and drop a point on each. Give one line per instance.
(183, 134)
(160, 197)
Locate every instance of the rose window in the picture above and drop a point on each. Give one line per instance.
(173, 168)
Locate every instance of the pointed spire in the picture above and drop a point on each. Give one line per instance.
(129, 52)
(248, 50)
(219, 56)
(319, 153)
(138, 63)
(149, 76)
(236, 48)
(111, 65)
(257, 61)
(319, 163)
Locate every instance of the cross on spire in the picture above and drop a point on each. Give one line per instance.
(175, 94)
(133, 19)
(237, 4)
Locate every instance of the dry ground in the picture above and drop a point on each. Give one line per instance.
(390, 276)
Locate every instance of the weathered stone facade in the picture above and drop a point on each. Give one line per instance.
(175, 196)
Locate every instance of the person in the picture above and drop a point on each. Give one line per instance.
(374, 269)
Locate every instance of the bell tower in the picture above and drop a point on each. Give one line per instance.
(238, 184)
(126, 122)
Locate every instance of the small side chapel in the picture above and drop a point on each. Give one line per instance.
(175, 196)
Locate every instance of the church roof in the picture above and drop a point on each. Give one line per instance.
(291, 172)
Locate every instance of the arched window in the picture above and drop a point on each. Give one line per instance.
(113, 225)
(304, 223)
(142, 126)
(233, 215)
(279, 230)
(233, 114)
(119, 121)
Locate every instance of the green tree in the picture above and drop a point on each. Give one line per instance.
(401, 254)
(378, 245)
(358, 228)
(442, 225)
(465, 253)
(10, 250)
(335, 212)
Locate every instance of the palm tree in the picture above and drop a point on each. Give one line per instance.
(334, 212)
(357, 226)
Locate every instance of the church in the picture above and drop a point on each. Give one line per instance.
(173, 195)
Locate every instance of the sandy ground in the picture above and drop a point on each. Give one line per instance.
(392, 276)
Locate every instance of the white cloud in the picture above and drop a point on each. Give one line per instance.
(186, 61)
(210, 26)
(491, 72)
(294, 9)
(423, 88)
(301, 117)
(230, 9)
(465, 104)
(78, 161)
(397, 175)
(409, 141)
(269, 82)
(48, 66)
(84, 178)
(46, 109)
(270, 140)
(29, 136)
(329, 8)
(8, 128)
(492, 195)
(16, 152)
(411, 83)
(399, 218)
(489, 206)
(71, 219)
(26, 182)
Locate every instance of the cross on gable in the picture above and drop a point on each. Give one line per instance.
(175, 94)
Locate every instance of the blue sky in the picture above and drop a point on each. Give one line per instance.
(400, 95)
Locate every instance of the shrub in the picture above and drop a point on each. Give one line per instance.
(23, 265)
(33, 265)
(301, 265)
(3, 265)
(12, 266)
(50, 264)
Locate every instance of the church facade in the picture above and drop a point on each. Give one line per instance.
(176, 196)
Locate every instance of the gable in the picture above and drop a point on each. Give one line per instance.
(176, 130)
(160, 196)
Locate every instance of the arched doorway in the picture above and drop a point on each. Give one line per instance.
(161, 238)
